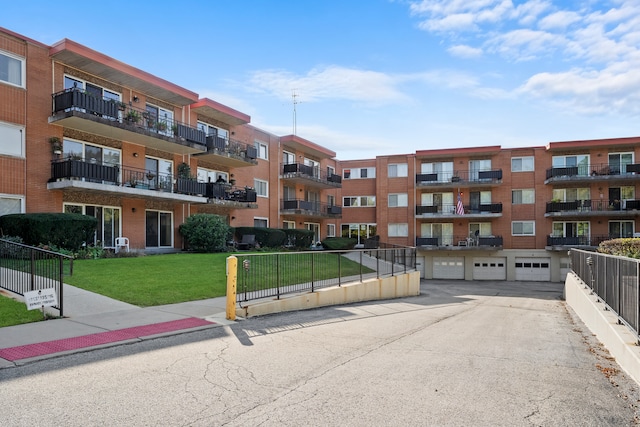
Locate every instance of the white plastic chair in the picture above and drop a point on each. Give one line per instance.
(122, 242)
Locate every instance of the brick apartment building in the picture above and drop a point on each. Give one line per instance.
(83, 132)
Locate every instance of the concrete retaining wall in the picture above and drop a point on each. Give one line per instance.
(617, 338)
(374, 289)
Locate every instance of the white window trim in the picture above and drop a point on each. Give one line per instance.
(358, 197)
(533, 168)
(402, 170)
(261, 218)
(521, 190)
(23, 69)
(20, 129)
(399, 201)
(266, 183)
(525, 221)
(258, 145)
(400, 229)
(331, 230)
(15, 197)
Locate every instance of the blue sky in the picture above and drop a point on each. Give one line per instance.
(378, 77)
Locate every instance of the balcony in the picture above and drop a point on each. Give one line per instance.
(562, 243)
(595, 172)
(229, 152)
(310, 176)
(76, 109)
(590, 208)
(485, 210)
(456, 243)
(310, 209)
(77, 175)
(456, 179)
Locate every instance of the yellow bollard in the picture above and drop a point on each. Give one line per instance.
(232, 282)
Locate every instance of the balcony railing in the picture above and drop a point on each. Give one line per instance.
(450, 209)
(116, 175)
(121, 113)
(479, 242)
(593, 240)
(587, 206)
(493, 176)
(227, 146)
(305, 207)
(593, 171)
(300, 170)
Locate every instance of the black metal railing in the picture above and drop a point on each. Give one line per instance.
(450, 209)
(229, 147)
(592, 240)
(109, 174)
(615, 280)
(310, 172)
(480, 241)
(119, 112)
(25, 268)
(262, 275)
(595, 170)
(493, 176)
(596, 205)
(309, 207)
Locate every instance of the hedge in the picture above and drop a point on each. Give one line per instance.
(65, 230)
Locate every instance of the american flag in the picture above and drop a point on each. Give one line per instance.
(460, 207)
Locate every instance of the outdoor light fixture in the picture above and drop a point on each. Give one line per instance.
(135, 99)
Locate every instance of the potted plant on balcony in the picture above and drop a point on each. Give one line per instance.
(56, 145)
(161, 126)
(184, 171)
(133, 116)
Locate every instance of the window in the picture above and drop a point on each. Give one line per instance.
(522, 164)
(331, 171)
(261, 222)
(523, 197)
(288, 158)
(90, 88)
(12, 69)
(288, 193)
(313, 168)
(481, 228)
(398, 170)
(571, 194)
(398, 230)
(221, 136)
(571, 229)
(617, 229)
(476, 166)
(357, 173)
(618, 162)
(10, 204)
(443, 232)
(94, 154)
(11, 140)
(580, 162)
(359, 231)
(158, 174)
(443, 170)
(159, 229)
(108, 222)
(315, 227)
(262, 187)
(359, 201)
(523, 228)
(261, 148)
(210, 175)
(398, 200)
(443, 201)
(331, 230)
(288, 225)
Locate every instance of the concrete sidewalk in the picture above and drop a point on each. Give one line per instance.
(94, 321)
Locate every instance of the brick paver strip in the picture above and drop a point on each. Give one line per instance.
(56, 346)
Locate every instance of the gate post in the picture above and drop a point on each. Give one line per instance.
(232, 281)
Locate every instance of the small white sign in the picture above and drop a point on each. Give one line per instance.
(41, 298)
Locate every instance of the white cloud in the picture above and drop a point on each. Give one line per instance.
(559, 20)
(332, 82)
(464, 51)
(524, 44)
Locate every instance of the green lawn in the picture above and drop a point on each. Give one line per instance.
(13, 312)
(155, 279)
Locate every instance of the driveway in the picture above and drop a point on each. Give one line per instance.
(461, 353)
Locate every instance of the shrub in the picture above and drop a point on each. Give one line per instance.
(205, 232)
(64, 230)
(627, 247)
(339, 243)
(266, 237)
(298, 239)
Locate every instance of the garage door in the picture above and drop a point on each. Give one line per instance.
(448, 268)
(490, 268)
(420, 266)
(533, 269)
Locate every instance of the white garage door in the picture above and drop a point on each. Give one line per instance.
(420, 265)
(448, 268)
(533, 269)
(490, 268)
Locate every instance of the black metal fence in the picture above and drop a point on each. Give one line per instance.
(613, 279)
(262, 275)
(25, 268)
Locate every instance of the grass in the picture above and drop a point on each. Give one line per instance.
(153, 280)
(13, 312)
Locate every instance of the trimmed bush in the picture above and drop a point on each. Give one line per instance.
(339, 243)
(628, 247)
(205, 233)
(266, 237)
(298, 238)
(65, 230)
